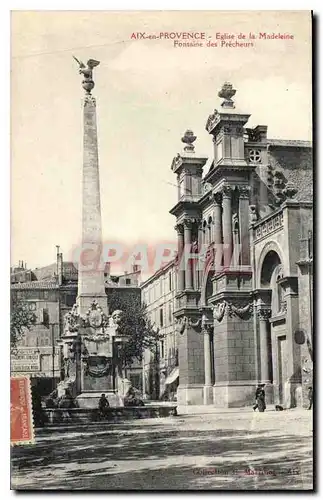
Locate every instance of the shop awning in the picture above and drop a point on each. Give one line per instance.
(172, 376)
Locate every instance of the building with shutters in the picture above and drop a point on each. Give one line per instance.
(160, 365)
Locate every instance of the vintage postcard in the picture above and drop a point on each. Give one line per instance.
(162, 250)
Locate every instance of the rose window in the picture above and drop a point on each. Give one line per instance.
(254, 156)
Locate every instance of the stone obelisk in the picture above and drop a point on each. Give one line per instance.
(87, 342)
(90, 274)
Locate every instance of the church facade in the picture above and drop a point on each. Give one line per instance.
(243, 308)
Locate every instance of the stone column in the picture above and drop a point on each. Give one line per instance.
(244, 224)
(217, 219)
(264, 315)
(200, 243)
(217, 231)
(207, 366)
(207, 357)
(292, 385)
(236, 250)
(227, 225)
(181, 272)
(187, 246)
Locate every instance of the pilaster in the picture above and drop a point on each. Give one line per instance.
(207, 331)
(180, 245)
(227, 225)
(191, 359)
(290, 286)
(234, 351)
(244, 192)
(264, 336)
(187, 248)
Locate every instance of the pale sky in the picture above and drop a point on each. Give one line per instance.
(148, 93)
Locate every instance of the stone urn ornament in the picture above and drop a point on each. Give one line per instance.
(189, 138)
(227, 92)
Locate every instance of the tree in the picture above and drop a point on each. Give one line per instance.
(21, 319)
(142, 334)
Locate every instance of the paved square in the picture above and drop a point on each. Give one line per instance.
(227, 449)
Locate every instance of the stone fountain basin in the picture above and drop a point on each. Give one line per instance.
(63, 416)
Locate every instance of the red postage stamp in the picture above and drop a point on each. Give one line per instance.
(21, 417)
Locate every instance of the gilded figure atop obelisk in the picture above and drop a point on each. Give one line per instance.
(87, 71)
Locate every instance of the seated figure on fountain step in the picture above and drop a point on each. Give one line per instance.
(132, 398)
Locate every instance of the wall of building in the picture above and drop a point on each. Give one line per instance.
(158, 293)
(37, 352)
(305, 286)
(296, 164)
(289, 239)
